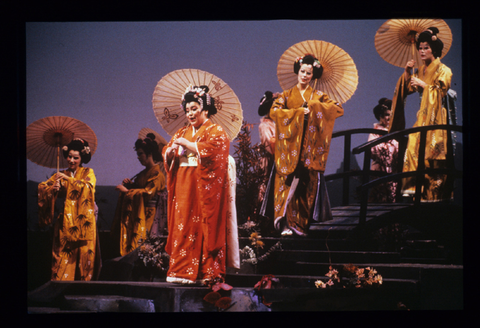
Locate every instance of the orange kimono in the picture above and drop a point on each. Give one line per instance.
(198, 205)
(75, 231)
(438, 77)
(136, 209)
(301, 156)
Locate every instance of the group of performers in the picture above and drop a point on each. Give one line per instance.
(196, 170)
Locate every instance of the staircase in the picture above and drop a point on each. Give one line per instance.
(418, 273)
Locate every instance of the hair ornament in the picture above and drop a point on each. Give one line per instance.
(86, 150)
(65, 148)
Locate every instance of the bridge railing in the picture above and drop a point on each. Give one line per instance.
(366, 173)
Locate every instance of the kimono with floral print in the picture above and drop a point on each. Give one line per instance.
(301, 149)
(75, 232)
(384, 159)
(136, 208)
(438, 78)
(198, 204)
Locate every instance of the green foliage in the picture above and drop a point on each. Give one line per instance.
(250, 174)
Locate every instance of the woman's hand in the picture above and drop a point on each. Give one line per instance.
(57, 185)
(306, 110)
(415, 82)
(61, 175)
(409, 67)
(126, 181)
(121, 188)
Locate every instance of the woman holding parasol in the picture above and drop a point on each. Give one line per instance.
(432, 83)
(196, 161)
(304, 120)
(75, 237)
(137, 202)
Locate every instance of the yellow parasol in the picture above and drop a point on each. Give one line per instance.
(339, 79)
(395, 39)
(170, 89)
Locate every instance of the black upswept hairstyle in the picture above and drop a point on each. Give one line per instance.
(81, 146)
(430, 36)
(204, 99)
(149, 146)
(384, 104)
(309, 59)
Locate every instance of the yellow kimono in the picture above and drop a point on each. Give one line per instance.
(75, 231)
(438, 77)
(301, 154)
(136, 209)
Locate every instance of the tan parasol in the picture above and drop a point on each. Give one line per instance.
(158, 138)
(170, 89)
(46, 136)
(395, 39)
(339, 79)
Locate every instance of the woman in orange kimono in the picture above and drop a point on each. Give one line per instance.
(196, 162)
(75, 231)
(137, 202)
(432, 82)
(304, 120)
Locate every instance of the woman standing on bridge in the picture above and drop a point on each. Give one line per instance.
(432, 81)
(304, 120)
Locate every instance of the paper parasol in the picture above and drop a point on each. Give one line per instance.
(168, 94)
(395, 39)
(47, 135)
(339, 79)
(158, 138)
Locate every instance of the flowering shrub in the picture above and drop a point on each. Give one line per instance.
(153, 255)
(257, 243)
(354, 277)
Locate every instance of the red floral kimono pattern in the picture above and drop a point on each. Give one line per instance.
(75, 232)
(198, 204)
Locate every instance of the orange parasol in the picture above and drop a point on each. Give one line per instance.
(45, 137)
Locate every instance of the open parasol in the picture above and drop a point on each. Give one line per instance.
(158, 138)
(395, 39)
(339, 79)
(46, 135)
(170, 89)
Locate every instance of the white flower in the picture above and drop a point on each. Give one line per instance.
(180, 227)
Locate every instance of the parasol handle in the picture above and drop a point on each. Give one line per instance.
(58, 158)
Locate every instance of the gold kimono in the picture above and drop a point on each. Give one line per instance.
(75, 230)
(136, 209)
(301, 150)
(438, 77)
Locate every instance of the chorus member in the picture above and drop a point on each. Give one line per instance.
(432, 82)
(304, 120)
(74, 231)
(137, 201)
(384, 155)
